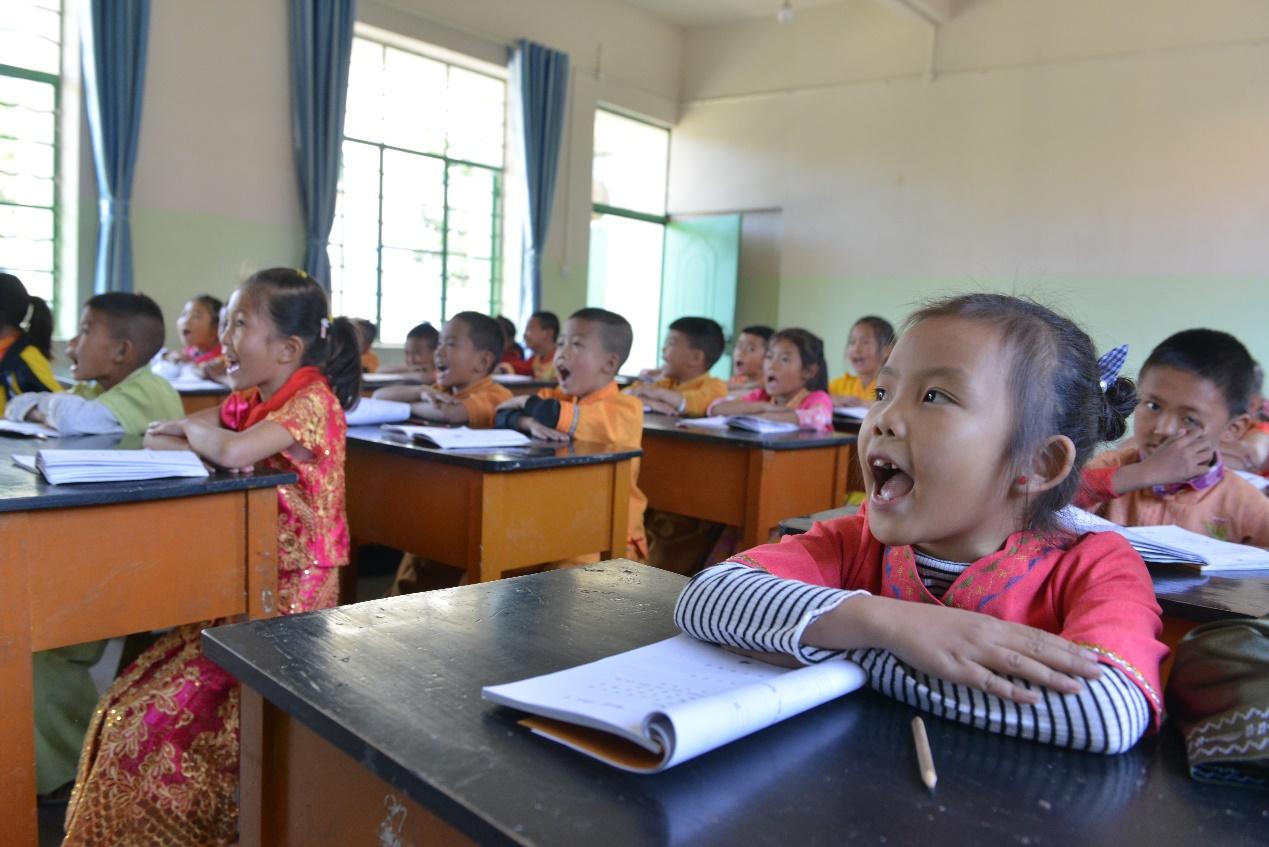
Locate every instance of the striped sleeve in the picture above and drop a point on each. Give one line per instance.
(748, 608)
(1109, 716)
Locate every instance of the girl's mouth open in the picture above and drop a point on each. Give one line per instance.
(562, 372)
(890, 482)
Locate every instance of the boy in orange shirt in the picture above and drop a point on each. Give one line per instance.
(685, 388)
(586, 405)
(471, 344)
(540, 335)
(1192, 402)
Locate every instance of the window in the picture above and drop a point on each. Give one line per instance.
(627, 230)
(30, 75)
(418, 216)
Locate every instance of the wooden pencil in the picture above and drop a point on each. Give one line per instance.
(925, 759)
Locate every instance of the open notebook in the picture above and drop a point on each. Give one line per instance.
(854, 413)
(649, 709)
(1168, 544)
(370, 411)
(753, 423)
(66, 466)
(459, 437)
(28, 429)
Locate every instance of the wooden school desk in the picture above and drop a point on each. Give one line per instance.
(364, 724)
(740, 478)
(488, 512)
(197, 399)
(519, 385)
(86, 562)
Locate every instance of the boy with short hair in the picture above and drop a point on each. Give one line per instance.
(419, 353)
(540, 335)
(685, 387)
(1192, 400)
(586, 405)
(470, 345)
(116, 393)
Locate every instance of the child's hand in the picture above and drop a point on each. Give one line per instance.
(660, 407)
(172, 428)
(979, 651)
(1181, 457)
(504, 368)
(539, 431)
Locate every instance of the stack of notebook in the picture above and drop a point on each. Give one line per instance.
(1169, 544)
(460, 437)
(66, 466)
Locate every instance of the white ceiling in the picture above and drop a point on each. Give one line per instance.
(693, 13)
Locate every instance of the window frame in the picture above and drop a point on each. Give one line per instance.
(498, 173)
(56, 81)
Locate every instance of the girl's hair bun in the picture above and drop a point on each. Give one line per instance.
(1118, 402)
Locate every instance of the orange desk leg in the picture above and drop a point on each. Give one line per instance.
(299, 789)
(17, 703)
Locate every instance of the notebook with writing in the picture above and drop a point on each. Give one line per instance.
(649, 709)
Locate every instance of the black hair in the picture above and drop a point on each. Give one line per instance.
(26, 312)
(810, 350)
(134, 317)
(298, 306)
(614, 330)
(702, 334)
(508, 328)
(426, 333)
(1055, 386)
(368, 330)
(1215, 356)
(547, 320)
(761, 330)
(486, 333)
(210, 303)
(881, 330)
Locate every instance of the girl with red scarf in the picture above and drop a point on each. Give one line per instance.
(161, 755)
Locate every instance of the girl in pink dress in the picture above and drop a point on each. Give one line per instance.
(794, 387)
(160, 762)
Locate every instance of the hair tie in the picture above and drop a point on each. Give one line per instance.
(25, 323)
(1110, 363)
(325, 325)
(303, 274)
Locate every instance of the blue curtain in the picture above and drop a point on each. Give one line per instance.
(113, 40)
(539, 94)
(321, 45)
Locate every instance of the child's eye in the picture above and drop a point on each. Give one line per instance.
(880, 393)
(1152, 406)
(1194, 422)
(935, 396)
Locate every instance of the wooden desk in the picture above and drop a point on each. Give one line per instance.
(197, 399)
(488, 512)
(367, 720)
(741, 478)
(523, 386)
(86, 562)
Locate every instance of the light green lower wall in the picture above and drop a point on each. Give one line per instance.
(176, 255)
(1138, 311)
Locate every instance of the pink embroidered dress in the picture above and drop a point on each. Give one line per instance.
(160, 760)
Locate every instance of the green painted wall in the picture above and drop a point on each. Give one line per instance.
(1138, 311)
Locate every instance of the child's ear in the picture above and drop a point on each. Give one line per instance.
(1050, 466)
(124, 350)
(292, 350)
(487, 361)
(1236, 428)
(612, 362)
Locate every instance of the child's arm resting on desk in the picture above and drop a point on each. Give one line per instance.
(67, 413)
(535, 416)
(978, 670)
(224, 447)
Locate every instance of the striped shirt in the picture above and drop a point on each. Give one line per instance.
(738, 606)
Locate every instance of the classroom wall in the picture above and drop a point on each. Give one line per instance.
(215, 194)
(1106, 157)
